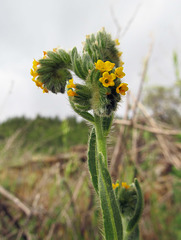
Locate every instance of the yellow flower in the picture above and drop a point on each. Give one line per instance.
(45, 90)
(39, 84)
(117, 42)
(114, 186)
(45, 54)
(104, 66)
(35, 64)
(120, 54)
(99, 65)
(107, 79)
(33, 73)
(71, 84)
(109, 66)
(71, 93)
(121, 63)
(122, 88)
(125, 185)
(119, 72)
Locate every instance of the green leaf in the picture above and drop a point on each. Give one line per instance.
(87, 63)
(65, 57)
(92, 161)
(55, 57)
(77, 64)
(176, 172)
(83, 114)
(111, 214)
(139, 208)
(83, 91)
(82, 108)
(134, 235)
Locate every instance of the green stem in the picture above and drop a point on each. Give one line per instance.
(100, 138)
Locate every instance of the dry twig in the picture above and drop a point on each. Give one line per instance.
(157, 130)
(16, 201)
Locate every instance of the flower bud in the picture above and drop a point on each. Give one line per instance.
(53, 70)
(101, 46)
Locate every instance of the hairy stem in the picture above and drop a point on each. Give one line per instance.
(101, 139)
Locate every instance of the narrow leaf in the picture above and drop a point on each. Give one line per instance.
(139, 208)
(134, 235)
(110, 209)
(92, 161)
(83, 114)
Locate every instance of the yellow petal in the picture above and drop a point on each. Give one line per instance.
(109, 66)
(45, 90)
(119, 54)
(125, 185)
(119, 72)
(114, 186)
(112, 76)
(117, 42)
(105, 75)
(71, 84)
(71, 93)
(101, 79)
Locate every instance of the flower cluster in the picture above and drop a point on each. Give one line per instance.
(34, 74)
(71, 85)
(102, 74)
(124, 185)
(107, 78)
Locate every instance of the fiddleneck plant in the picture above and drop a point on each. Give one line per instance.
(96, 99)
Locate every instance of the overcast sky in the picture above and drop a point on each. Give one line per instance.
(29, 27)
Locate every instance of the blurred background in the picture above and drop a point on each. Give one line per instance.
(45, 192)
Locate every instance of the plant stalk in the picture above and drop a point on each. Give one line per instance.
(100, 138)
